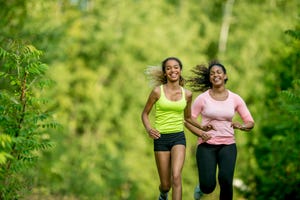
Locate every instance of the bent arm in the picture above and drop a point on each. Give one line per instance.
(191, 123)
(153, 97)
(248, 122)
(188, 114)
(246, 126)
(198, 132)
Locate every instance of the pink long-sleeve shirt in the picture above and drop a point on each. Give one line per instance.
(220, 114)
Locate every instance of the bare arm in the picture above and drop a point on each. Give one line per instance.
(187, 112)
(192, 123)
(153, 97)
(198, 132)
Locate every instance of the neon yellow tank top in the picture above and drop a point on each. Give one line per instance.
(169, 114)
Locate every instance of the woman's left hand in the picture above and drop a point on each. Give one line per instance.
(238, 125)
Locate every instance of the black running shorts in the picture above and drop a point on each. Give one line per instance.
(167, 141)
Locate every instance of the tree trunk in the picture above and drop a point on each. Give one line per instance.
(225, 26)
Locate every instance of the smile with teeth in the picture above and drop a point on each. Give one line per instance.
(173, 75)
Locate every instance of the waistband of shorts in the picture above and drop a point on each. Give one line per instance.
(173, 133)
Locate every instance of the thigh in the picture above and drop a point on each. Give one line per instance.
(207, 164)
(227, 159)
(177, 159)
(163, 163)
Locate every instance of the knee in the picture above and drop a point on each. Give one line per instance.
(176, 180)
(165, 187)
(207, 188)
(225, 181)
(225, 185)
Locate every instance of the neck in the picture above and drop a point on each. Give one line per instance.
(218, 90)
(173, 85)
(219, 93)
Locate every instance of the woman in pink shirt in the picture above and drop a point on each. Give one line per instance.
(216, 106)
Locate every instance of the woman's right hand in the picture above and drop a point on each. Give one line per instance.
(153, 133)
(205, 136)
(208, 127)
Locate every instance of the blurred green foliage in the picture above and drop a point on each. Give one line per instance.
(97, 52)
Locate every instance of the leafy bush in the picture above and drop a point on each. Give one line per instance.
(277, 176)
(23, 122)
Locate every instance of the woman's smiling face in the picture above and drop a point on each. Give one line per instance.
(172, 70)
(217, 76)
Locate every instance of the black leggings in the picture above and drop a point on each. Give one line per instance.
(208, 158)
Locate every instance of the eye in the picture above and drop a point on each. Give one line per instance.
(176, 67)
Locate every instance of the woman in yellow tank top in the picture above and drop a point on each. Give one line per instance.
(172, 107)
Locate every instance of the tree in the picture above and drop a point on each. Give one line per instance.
(23, 121)
(277, 175)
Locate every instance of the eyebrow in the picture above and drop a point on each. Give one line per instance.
(216, 71)
(173, 65)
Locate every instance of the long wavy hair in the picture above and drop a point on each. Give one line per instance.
(200, 82)
(156, 75)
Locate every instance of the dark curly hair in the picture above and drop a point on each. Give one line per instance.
(200, 82)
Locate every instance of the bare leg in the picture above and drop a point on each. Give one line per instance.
(163, 163)
(177, 161)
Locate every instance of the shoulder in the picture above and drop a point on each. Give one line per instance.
(236, 97)
(203, 95)
(188, 94)
(156, 89)
(155, 93)
(233, 94)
